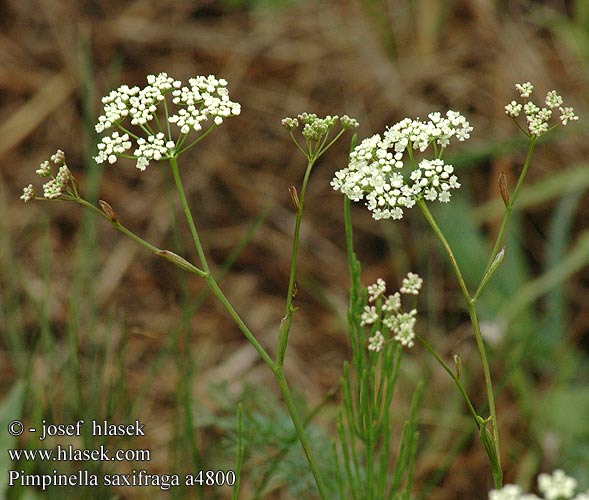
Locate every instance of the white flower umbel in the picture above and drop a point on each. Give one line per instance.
(198, 107)
(376, 342)
(376, 290)
(538, 119)
(28, 193)
(509, 492)
(387, 315)
(555, 486)
(378, 170)
(63, 183)
(411, 284)
(558, 485)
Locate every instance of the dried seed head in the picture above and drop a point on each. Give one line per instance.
(107, 209)
(294, 197)
(503, 189)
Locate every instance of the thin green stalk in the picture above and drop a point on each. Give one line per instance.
(287, 319)
(184, 264)
(432, 222)
(240, 451)
(448, 370)
(471, 306)
(276, 458)
(211, 282)
(507, 215)
(296, 420)
(276, 369)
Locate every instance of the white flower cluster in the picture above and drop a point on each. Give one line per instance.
(376, 168)
(376, 342)
(110, 147)
(139, 104)
(412, 284)
(387, 315)
(62, 182)
(537, 118)
(154, 148)
(205, 97)
(557, 486)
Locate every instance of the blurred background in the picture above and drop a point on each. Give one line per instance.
(94, 327)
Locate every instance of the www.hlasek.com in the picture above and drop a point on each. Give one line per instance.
(70, 454)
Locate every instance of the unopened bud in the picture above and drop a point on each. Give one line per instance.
(181, 262)
(107, 209)
(503, 189)
(294, 197)
(458, 364)
(295, 289)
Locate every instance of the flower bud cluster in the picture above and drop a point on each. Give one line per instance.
(378, 173)
(203, 98)
(62, 183)
(316, 130)
(555, 486)
(384, 314)
(537, 118)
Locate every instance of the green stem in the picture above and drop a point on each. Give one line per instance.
(472, 311)
(507, 215)
(454, 377)
(299, 427)
(287, 319)
(430, 218)
(276, 369)
(211, 282)
(160, 253)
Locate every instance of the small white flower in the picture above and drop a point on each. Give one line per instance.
(556, 486)
(508, 492)
(553, 100)
(376, 342)
(513, 109)
(524, 89)
(567, 114)
(28, 193)
(44, 169)
(154, 148)
(111, 147)
(58, 158)
(392, 303)
(369, 316)
(537, 126)
(52, 189)
(412, 284)
(376, 290)
(530, 109)
(402, 325)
